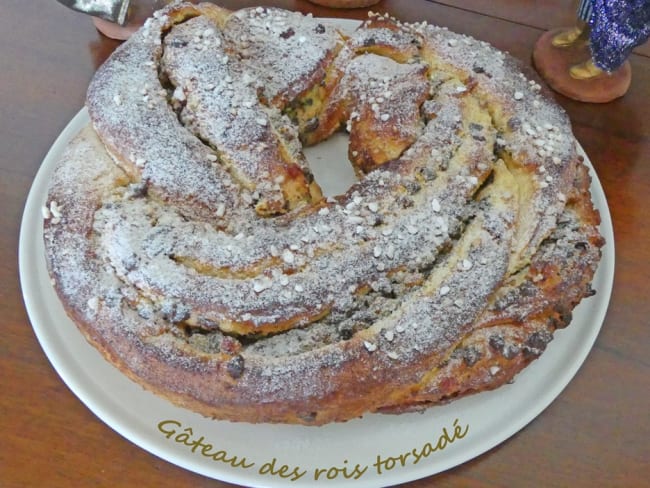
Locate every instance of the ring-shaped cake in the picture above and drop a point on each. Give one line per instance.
(188, 240)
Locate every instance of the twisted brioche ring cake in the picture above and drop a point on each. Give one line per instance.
(187, 238)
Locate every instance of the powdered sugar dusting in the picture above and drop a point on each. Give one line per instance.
(159, 255)
(221, 106)
(288, 51)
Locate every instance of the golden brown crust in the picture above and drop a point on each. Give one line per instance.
(468, 240)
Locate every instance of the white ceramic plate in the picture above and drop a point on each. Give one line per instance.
(483, 420)
(376, 450)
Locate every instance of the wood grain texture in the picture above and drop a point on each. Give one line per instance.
(546, 15)
(595, 433)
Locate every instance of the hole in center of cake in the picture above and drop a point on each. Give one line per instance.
(329, 163)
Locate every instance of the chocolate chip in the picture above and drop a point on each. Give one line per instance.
(474, 128)
(319, 29)
(531, 352)
(389, 293)
(510, 351)
(375, 220)
(538, 340)
(235, 367)
(470, 355)
(137, 190)
(174, 312)
(478, 69)
(496, 342)
(346, 333)
(369, 42)
(527, 289)
(288, 33)
(308, 417)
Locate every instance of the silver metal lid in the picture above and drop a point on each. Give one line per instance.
(111, 10)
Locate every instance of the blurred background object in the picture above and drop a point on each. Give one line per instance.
(588, 61)
(117, 19)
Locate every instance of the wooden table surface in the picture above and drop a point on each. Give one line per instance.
(596, 433)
